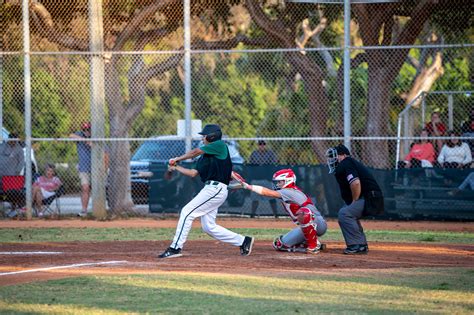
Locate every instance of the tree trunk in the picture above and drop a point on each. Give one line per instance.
(119, 173)
(318, 101)
(310, 72)
(427, 77)
(378, 100)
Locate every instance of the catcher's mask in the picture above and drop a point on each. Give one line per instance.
(212, 132)
(284, 179)
(331, 156)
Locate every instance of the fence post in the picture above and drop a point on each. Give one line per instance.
(96, 47)
(347, 74)
(27, 90)
(187, 73)
(450, 111)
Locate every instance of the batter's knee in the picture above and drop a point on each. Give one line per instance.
(208, 229)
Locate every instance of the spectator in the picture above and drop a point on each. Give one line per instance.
(455, 154)
(12, 158)
(468, 181)
(262, 156)
(422, 153)
(436, 129)
(467, 130)
(84, 166)
(468, 125)
(44, 187)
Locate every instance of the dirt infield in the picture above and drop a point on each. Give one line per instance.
(213, 256)
(238, 223)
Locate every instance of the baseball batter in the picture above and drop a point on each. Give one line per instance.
(301, 210)
(214, 168)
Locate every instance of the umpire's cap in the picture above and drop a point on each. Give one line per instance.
(212, 132)
(342, 150)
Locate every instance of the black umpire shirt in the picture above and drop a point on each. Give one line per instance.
(347, 171)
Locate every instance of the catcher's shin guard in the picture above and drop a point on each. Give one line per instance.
(308, 227)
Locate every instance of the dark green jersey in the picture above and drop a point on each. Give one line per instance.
(215, 163)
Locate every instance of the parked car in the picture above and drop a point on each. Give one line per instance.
(34, 166)
(149, 164)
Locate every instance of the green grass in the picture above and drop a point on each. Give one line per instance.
(136, 234)
(421, 290)
(427, 290)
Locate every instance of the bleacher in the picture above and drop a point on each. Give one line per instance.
(417, 196)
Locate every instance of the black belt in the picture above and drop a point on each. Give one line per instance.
(212, 182)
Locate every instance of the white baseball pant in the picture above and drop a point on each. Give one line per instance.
(205, 205)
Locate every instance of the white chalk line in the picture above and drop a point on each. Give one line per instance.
(64, 267)
(31, 253)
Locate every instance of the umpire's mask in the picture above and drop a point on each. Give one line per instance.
(331, 158)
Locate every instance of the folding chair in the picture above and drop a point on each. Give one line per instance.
(52, 204)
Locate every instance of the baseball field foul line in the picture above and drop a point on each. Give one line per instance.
(30, 253)
(64, 267)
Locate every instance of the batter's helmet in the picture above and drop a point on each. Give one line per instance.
(212, 132)
(287, 176)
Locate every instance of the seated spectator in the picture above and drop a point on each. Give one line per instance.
(467, 130)
(468, 124)
(44, 187)
(12, 158)
(436, 129)
(455, 154)
(422, 153)
(468, 181)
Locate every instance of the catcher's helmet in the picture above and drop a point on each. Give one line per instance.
(287, 176)
(212, 132)
(331, 156)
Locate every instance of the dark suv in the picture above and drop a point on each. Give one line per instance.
(150, 185)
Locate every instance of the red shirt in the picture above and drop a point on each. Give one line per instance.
(421, 151)
(440, 126)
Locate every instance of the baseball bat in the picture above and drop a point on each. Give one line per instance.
(169, 173)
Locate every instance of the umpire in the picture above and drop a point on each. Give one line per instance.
(360, 192)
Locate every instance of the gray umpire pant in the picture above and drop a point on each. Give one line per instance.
(351, 228)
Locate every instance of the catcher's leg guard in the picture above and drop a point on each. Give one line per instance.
(308, 227)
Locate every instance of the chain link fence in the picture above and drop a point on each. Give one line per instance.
(263, 70)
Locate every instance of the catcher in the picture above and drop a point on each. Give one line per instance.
(298, 205)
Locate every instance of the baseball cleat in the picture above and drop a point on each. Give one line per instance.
(246, 247)
(171, 253)
(312, 250)
(357, 249)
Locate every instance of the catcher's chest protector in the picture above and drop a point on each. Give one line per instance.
(292, 207)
